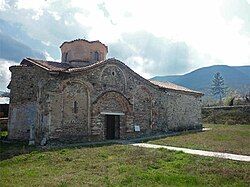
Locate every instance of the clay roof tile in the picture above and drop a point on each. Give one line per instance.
(171, 86)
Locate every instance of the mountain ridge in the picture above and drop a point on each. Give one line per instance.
(235, 77)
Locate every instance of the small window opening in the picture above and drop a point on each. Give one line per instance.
(66, 57)
(97, 57)
(113, 73)
(75, 107)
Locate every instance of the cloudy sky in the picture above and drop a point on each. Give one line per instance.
(153, 37)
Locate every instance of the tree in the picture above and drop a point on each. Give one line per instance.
(231, 97)
(218, 86)
(4, 94)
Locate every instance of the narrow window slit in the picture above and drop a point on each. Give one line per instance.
(75, 107)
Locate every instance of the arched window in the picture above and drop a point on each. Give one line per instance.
(97, 56)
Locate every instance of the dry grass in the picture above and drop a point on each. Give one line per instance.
(221, 138)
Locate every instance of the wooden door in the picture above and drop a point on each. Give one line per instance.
(112, 127)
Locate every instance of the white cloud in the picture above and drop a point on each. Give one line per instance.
(55, 15)
(137, 63)
(37, 15)
(47, 43)
(48, 57)
(35, 5)
(5, 73)
(199, 24)
(4, 100)
(3, 5)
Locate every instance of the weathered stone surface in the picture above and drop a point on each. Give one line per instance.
(23, 119)
(71, 106)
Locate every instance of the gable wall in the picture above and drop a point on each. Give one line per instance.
(23, 101)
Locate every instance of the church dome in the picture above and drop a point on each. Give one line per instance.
(82, 52)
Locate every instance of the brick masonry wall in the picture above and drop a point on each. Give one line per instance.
(69, 106)
(82, 51)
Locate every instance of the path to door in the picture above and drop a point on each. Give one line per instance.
(197, 152)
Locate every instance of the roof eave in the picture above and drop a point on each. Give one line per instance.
(180, 91)
(95, 41)
(37, 64)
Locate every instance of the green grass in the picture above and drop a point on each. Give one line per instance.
(120, 165)
(3, 133)
(221, 138)
(124, 165)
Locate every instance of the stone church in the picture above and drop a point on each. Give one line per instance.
(87, 97)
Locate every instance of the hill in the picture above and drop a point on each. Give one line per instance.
(15, 34)
(11, 49)
(236, 77)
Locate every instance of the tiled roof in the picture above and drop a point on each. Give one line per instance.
(96, 41)
(48, 65)
(59, 66)
(171, 86)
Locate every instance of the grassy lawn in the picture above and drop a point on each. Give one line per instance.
(221, 138)
(120, 165)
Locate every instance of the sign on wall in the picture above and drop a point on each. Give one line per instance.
(137, 128)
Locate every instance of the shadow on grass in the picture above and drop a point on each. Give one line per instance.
(10, 149)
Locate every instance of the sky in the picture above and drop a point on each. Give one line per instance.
(153, 37)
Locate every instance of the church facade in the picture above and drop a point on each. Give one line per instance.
(87, 97)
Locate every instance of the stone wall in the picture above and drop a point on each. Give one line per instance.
(73, 106)
(22, 121)
(230, 115)
(23, 107)
(184, 112)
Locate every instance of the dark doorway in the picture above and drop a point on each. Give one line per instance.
(112, 127)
